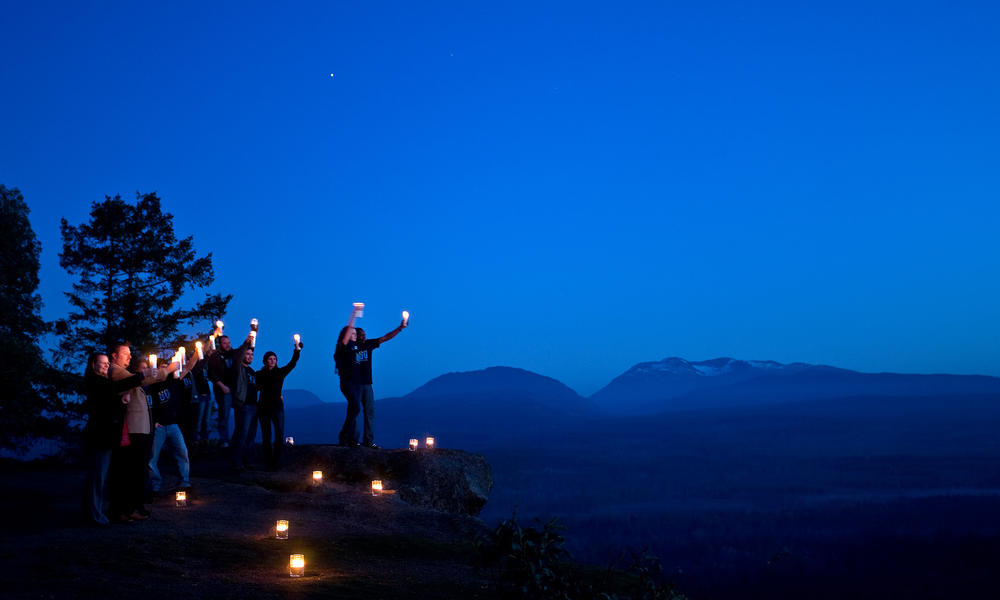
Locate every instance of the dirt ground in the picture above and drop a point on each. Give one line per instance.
(222, 544)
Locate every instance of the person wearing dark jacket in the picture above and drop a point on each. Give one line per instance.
(223, 370)
(244, 409)
(271, 408)
(103, 432)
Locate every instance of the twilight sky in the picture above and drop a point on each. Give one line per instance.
(568, 188)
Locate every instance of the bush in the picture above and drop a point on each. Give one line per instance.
(533, 564)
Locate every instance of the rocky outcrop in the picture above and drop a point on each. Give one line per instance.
(442, 479)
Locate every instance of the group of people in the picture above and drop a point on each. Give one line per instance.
(136, 411)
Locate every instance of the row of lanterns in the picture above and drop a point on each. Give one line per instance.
(297, 562)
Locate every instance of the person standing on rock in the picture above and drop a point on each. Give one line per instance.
(343, 357)
(357, 348)
(223, 369)
(245, 400)
(169, 399)
(271, 411)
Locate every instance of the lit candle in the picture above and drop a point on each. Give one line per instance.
(197, 347)
(211, 341)
(253, 324)
(152, 361)
(297, 565)
(359, 309)
(253, 339)
(218, 325)
(429, 442)
(297, 338)
(317, 477)
(406, 317)
(377, 487)
(182, 498)
(281, 530)
(414, 442)
(289, 441)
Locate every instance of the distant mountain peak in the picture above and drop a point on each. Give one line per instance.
(491, 378)
(675, 365)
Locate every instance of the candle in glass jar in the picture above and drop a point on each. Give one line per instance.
(414, 442)
(377, 487)
(181, 498)
(297, 565)
(281, 530)
(429, 442)
(317, 477)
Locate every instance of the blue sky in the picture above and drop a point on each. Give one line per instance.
(569, 188)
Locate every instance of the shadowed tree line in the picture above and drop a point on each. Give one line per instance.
(135, 283)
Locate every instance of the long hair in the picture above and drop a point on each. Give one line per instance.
(91, 362)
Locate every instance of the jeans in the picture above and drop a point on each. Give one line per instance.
(224, 402)
(349, 432)
(367, 401)
(201, 420)
(244, 433)
(272, 419)
(170, 434)
(95, 490)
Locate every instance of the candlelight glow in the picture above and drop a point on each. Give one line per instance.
(211, 341)
(152, 361)
(197, 347)
(317, 477)
(219, 325)
(297, 338)
(253, 324)
(414, 442)
(181, 499)
(429, 442)
(281, 529)
(377, 487)
(297, 565)
(406, 316)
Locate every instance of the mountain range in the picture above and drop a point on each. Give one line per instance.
(501, 405)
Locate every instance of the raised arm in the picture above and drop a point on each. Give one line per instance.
(350, 328)
(285, 370)
(385, 338)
